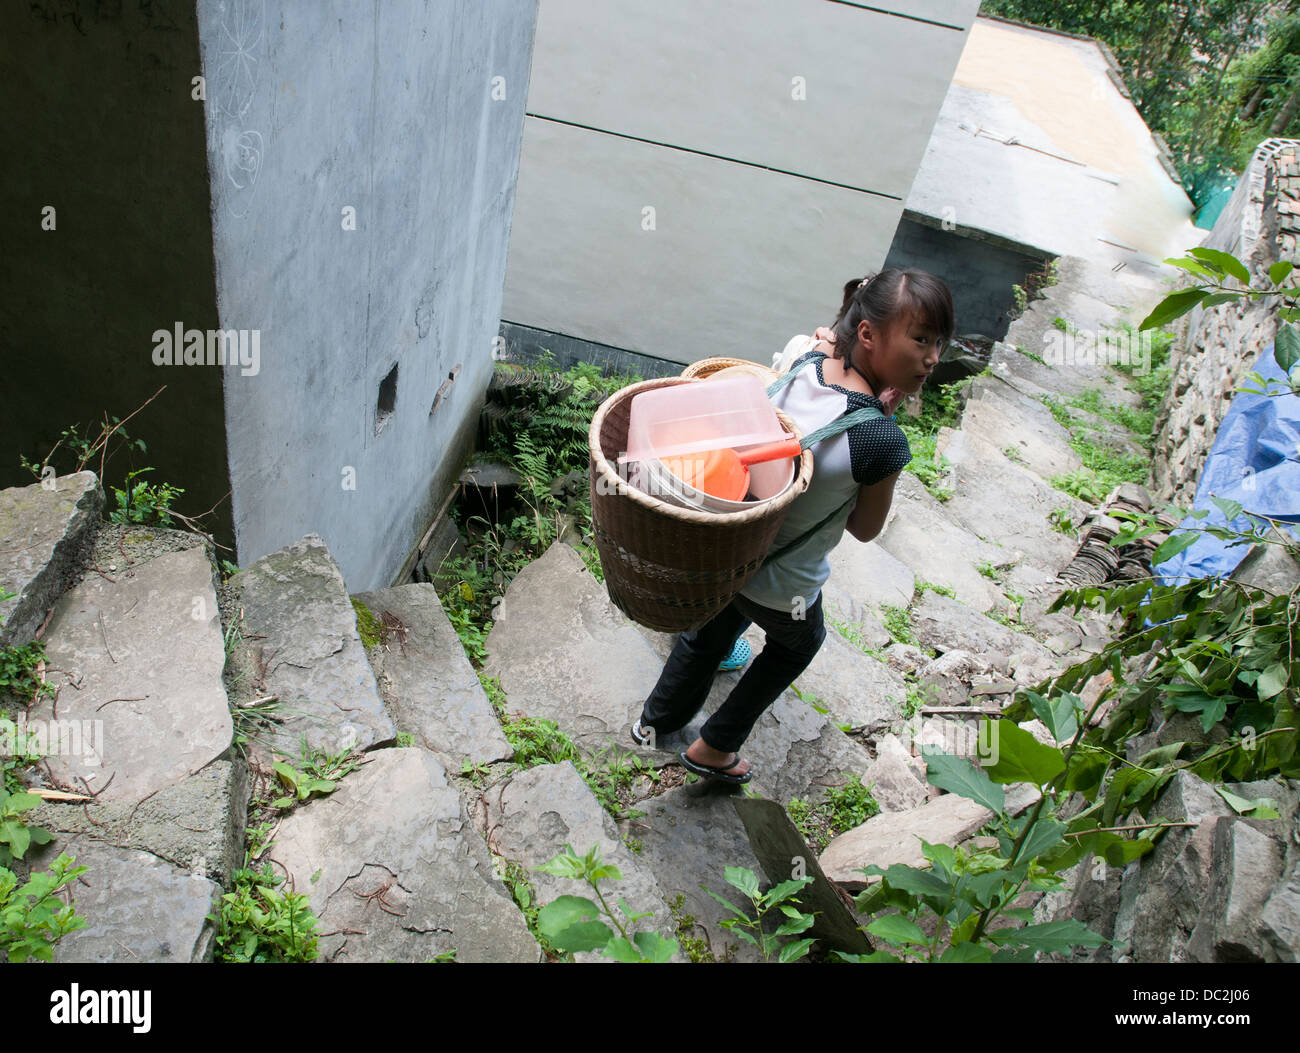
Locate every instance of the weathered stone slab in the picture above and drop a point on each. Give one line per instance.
(895, 837)
(1279, 920)
(784, 854)
(427, 682)
(892, 777)
(44, 535)
(530, 817)
(1161, 899)
(853, 686)
(922, 534)
(689, 837)
(1006, 502)
(1246, 865)
(138, 908)
(392, 854)
(865, 577)
(945, 625)
(295, 599)
(137, 662)
(564, 652)
(196, 824)
(1004, 418)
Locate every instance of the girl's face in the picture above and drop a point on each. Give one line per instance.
(904, 355)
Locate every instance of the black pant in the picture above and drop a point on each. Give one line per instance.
(684, 684)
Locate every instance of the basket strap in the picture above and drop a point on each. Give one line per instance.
(841, 423)
(809, 533)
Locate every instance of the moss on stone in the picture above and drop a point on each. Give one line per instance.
(367, 624)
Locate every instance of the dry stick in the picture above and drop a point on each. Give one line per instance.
(104, 632)
(112, 700)
(103, 453)
(99, 570)
(1121, 829)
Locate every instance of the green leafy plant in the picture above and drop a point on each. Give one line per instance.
(141, 502)
(32, 917)
(1061, 520)
(922, 587)
(840, 809)
(572, 923)
(898, 622)
(319, 774)
(749, 926)
(1214, 270)
(15, 835)
(260, 922)
(20, 672)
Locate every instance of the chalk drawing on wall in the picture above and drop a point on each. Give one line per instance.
(237, 69)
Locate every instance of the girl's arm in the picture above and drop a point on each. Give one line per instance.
(867, 519)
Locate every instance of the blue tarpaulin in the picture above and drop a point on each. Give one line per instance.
(1255, 461)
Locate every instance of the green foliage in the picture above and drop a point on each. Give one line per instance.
(572, 923)
(1215, 649)
(370, 629)
(1062, 520)
(1021, 299)
(141, 502)
(918, 695)
(15, 835)
(260, 922)
(319, 773)
(940, 408)
(898, 622)
(925, 586)
(1217, 271)
(19, 672)
(842, 808)
(696, 948)
(32, 917)
(1036, 357)
(749, 926)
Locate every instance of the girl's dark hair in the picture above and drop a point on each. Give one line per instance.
(890, 298)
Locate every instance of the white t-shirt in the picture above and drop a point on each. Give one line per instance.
(861, 456)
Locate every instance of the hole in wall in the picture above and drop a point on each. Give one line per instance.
(387, 400)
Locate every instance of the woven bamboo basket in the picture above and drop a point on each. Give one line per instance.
(708, 367)
(666, 567)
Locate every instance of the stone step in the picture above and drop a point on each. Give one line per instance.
(895, 837)
(865, 577)
(136, 659)
(531, 816)
(944, 625)
(564, 652)
(396, 871)
(922, 533)
(45, 535)
(300, 644)
(1005, 419)
(428, 685)
(995, 498)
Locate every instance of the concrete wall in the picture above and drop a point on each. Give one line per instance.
(1215, 349)
(980, 273)
(775, 144)
(390, 109)
(98, 123)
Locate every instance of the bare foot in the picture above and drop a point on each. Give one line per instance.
(702, 753)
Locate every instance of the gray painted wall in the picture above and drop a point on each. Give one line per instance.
(98, 122)
(387, 108)
(775, 142)
(979, 273)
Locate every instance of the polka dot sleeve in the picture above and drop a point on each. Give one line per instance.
(877, 449)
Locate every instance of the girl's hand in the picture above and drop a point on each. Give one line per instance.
(822, 333)
(891, 398)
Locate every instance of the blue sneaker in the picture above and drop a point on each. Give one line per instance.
(739, 656)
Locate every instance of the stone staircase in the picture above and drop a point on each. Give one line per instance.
(404, 860)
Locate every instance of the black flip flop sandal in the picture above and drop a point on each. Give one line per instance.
(719, 773)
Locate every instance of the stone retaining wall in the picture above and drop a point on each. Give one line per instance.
(1215, 348)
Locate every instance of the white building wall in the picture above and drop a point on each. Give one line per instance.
(701, 179)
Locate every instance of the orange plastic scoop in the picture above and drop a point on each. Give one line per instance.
(725, 473)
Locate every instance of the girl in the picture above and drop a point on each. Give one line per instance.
(887, 338)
